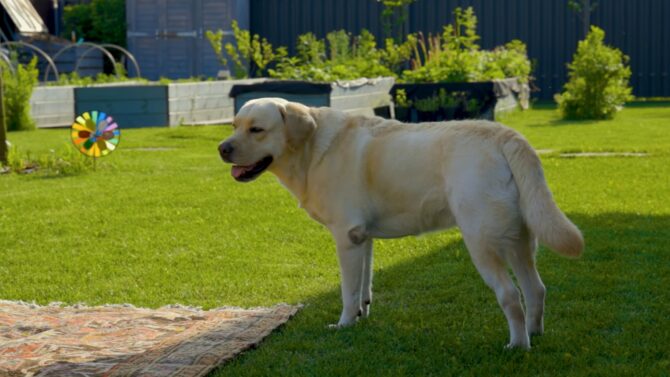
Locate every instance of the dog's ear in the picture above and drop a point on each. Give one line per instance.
(299, 124)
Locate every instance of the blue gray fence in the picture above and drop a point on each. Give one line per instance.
(640, 28)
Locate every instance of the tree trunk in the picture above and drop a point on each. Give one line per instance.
(586, 16)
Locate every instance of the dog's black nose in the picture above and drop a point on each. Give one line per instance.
(226, 150)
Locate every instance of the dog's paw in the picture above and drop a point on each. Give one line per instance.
(514, 346)
(337, 326)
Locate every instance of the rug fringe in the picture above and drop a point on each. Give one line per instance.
(81, 305)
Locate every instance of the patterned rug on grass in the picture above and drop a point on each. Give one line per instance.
(121, 340)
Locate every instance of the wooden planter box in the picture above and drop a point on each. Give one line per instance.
(511, 94)
(493, 97)
(207, 102)
(132, 106)
(52, 106)
(361, 96)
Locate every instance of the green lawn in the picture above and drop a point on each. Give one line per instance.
(161, 221)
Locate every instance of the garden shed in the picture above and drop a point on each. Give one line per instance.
(168, 39)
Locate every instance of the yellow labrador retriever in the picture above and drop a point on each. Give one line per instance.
(368, 177)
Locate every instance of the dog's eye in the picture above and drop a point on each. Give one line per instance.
(255, 130)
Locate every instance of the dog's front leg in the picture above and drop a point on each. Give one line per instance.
(352, 255)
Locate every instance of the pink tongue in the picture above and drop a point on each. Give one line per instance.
(237, 171)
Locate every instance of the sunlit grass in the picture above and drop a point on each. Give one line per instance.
(161, 221)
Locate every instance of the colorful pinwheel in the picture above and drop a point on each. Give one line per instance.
(95, 134)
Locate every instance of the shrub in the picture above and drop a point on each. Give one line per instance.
(18, 88)
(251, 54)
(598, 80)
(510, 60)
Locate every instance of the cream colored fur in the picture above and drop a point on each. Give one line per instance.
(366, 178)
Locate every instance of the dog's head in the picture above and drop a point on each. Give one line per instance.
(265, 130)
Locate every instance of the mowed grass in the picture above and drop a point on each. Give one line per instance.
(161, 222)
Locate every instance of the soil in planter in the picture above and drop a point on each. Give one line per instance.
(482, 92)
(403, 114)
(426, 116)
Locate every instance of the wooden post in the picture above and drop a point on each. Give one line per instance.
(3, 128)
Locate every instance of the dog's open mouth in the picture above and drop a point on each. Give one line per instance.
(250, 172)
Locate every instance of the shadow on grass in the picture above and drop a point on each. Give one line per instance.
(435, 316)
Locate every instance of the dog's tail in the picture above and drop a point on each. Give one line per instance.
(538, 208)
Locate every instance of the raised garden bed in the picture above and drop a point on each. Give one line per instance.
(138, 104)
(52, 106)
(427, 102)
(361, 96)
(207, 102)
(130, 106)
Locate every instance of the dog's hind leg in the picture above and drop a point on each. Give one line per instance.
(521, 256)
(491, 266)
(367, 283)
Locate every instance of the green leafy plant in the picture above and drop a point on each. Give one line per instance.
(339, 57)
(401, 99)
(447, 100)
(61, 162)
(428, 104)
(98, 21)
(455, 55)
(394, 56)
(472, 106)
(251, 55)
(510, 60)
(73, 78)
(215, 39)
(598, 80)
(394, 15)
(19, 83)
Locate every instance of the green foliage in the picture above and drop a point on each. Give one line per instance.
(401, 98)
(428, 104)
(598, 80)
(472, 106)
(73, 78)
(447, 100)
(98, 21)
(455, 55)
(18, 88)
(339, 57)
(394, 15)
(510, 60)
(62, 162)
(77, 19)
(216, 41)
(251, 55)
(394, 56)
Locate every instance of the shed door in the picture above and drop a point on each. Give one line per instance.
(167, 36)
